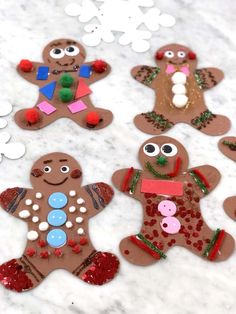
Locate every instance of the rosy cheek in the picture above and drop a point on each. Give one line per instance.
(75, 174)
(36, 173)
(192, 55)
(159, 55)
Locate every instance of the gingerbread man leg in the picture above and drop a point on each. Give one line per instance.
(97, 268)
(153, 123)
(36, 115)
(20, 274)
(230, 207)
(93, 118)
(211, 124)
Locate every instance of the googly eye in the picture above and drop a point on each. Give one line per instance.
(57, 53)
(181, 54)
(151, 149)
(72, 51)
(169, 54)
(65, 169)
(169, 150)
(47, 169)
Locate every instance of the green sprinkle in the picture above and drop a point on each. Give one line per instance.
(161, 160)
(152, 76)
(151, 246)
(212, 242)
(157, 118)
(156, 173)
(199, 80)
(199, 182)
(231, 145)
(204, 117)
(135, 181)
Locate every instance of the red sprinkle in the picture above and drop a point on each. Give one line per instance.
(71, 242)
(44, 254)
(42, 243)
(83, 241)
(126, 252)
(26, 65)
(31, 252)
(99, 66)
(76, 249)
(58, 252)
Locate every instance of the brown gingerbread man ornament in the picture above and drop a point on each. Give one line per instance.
(179, 88)
(57, 210)
(170, 194)
(63, 80)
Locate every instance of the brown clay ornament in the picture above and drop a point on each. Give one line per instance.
(227, 145)
(57, 210)
(63, 80)
(179, 88)
(170, 194)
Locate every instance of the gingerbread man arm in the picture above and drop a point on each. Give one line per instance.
(31, 75)
(128, 181)
(205, 179)
(17, 202)
(98, 196)
(145, 75)
(96, 76)
(208, 77)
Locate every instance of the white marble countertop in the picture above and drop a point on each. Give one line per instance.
(183, 283)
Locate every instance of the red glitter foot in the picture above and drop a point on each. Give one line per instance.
(13, 277)
(103, 268)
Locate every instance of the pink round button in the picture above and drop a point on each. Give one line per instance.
(167, 208)
(170, 225)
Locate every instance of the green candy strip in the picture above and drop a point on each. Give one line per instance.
(212, 243)
(151, 246)
(199, 182)
(135, 181)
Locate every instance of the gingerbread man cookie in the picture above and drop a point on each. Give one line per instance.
(179, 88)
(63, 80)
(170, 194)
(57, 210)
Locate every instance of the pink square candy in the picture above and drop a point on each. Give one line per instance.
(77, 106)
(46, 107)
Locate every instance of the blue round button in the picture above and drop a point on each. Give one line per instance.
(57, 200)
(56, 238)
(57, 217)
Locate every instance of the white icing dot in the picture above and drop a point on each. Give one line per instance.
(35, 219)
(28, 202)
(43, 226)
(38, 195)
(72, 209)
(179, 78)
(72, 193)
(80, 201)
(180, 101)
(179, 89)
(79, 219)
(80, 231)
(83, 209)
(32, 235)
(35, 207)
(24, 214)
(69, 224)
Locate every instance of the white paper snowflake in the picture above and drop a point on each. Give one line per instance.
(123, 16)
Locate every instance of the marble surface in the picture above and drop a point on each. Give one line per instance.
(183, 283)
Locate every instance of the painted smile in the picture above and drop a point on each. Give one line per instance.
(66, 64)
(178, 63)
(169, 175)
(59, 183)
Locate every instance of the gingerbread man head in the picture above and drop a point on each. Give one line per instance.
(176, 56)
(163, 156)
(64, 54)
(56, 170)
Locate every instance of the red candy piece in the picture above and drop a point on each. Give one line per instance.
(32, 116)
(58, 252)
(99, 66)
(159, 55)
(83, 241)
(42, 243)
(71, 243)
(44, 254)
(76, 249)
(13, 277)
(192, 55)
(92, 119)
(8, 196)
(31, 252)
(103, 269)
(26, 65)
